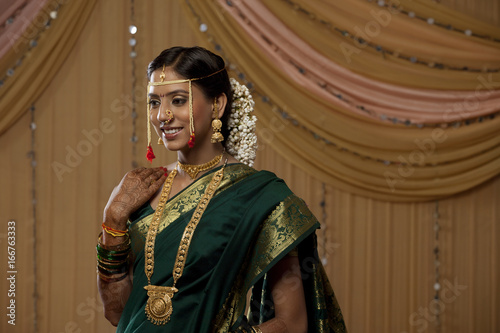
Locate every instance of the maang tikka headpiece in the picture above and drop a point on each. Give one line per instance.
(150, 155)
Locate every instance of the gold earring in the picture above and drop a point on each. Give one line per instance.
(160, 141)
(216, 125)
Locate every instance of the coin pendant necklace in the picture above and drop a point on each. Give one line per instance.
(159, 304)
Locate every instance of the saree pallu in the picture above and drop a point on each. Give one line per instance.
(251, 223)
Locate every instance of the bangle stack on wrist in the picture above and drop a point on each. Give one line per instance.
(113, 261)
(114, 232)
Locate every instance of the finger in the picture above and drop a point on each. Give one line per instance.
(138, 170)
(155, 185)
(150, 176)
(160, 172)
(144, 174)
(156, 175)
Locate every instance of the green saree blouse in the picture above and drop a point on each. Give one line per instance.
(251, 223)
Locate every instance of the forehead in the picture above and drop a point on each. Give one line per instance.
(170, 75)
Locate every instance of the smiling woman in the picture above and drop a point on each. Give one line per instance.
(183, 244)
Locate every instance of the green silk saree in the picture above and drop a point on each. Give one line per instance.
(252, 222)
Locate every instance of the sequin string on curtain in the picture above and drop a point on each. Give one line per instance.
(132, 29)
(437, 263)
(412, 58)
(233, 66)
(324, 226)
(393, 6)
(32, 157)
(32, 44)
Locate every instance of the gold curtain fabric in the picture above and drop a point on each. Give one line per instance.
(345, 90)
(399, 33)
(28, 82)
(360, 154)
(379, 253)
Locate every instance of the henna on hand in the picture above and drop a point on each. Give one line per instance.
(134, 190)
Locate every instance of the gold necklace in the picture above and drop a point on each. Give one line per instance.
(192, 170)
(159, 305)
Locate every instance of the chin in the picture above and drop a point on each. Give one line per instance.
(175, 146)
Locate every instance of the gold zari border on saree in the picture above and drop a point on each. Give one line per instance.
(279, 232)
(187, 201)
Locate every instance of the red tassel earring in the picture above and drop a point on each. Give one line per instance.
(149, 153)
(191, 119)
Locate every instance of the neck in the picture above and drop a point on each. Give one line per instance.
(193, 170)
(196, 156)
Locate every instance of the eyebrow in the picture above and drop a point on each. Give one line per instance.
(170, 93)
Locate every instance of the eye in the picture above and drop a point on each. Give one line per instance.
(154, 103)
(178, 101)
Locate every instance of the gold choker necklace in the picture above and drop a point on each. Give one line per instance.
(193, 170)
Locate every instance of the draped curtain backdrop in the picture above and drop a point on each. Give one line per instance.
(383, 115)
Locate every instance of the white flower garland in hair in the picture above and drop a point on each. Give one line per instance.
(242, 141)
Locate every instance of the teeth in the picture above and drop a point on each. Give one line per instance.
(172, 131)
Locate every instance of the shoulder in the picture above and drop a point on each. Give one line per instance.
(273, 180)
(263, 176)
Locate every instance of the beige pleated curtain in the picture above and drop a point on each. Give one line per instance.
(379, 253)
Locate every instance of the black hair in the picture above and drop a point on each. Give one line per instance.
(197, 62)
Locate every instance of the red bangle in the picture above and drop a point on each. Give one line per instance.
(114, 232)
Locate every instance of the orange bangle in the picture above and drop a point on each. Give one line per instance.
(114, 232)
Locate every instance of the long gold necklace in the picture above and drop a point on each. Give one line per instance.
(192, 170)
(159, 305)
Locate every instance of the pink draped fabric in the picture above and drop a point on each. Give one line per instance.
(365, 96)
(18, 28)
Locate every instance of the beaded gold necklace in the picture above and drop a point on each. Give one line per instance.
(192, 170)
(159, 305)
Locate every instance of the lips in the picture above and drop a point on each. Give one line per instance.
(171, 132)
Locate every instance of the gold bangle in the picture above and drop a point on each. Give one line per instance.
(122, 246)
(109, 279)
(112, 231)
(115, 234)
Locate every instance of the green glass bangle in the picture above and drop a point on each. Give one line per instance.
(110, 254)
(112, 266)
(112, 262)
(116, 253)
(112, 259)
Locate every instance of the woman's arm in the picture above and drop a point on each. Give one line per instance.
(288, 296)
(135, 189)
(114, 296)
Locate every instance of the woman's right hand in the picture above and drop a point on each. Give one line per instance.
(135, 189)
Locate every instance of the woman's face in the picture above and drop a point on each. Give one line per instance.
(175, 97)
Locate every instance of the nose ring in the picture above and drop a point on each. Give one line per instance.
(170, 116)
